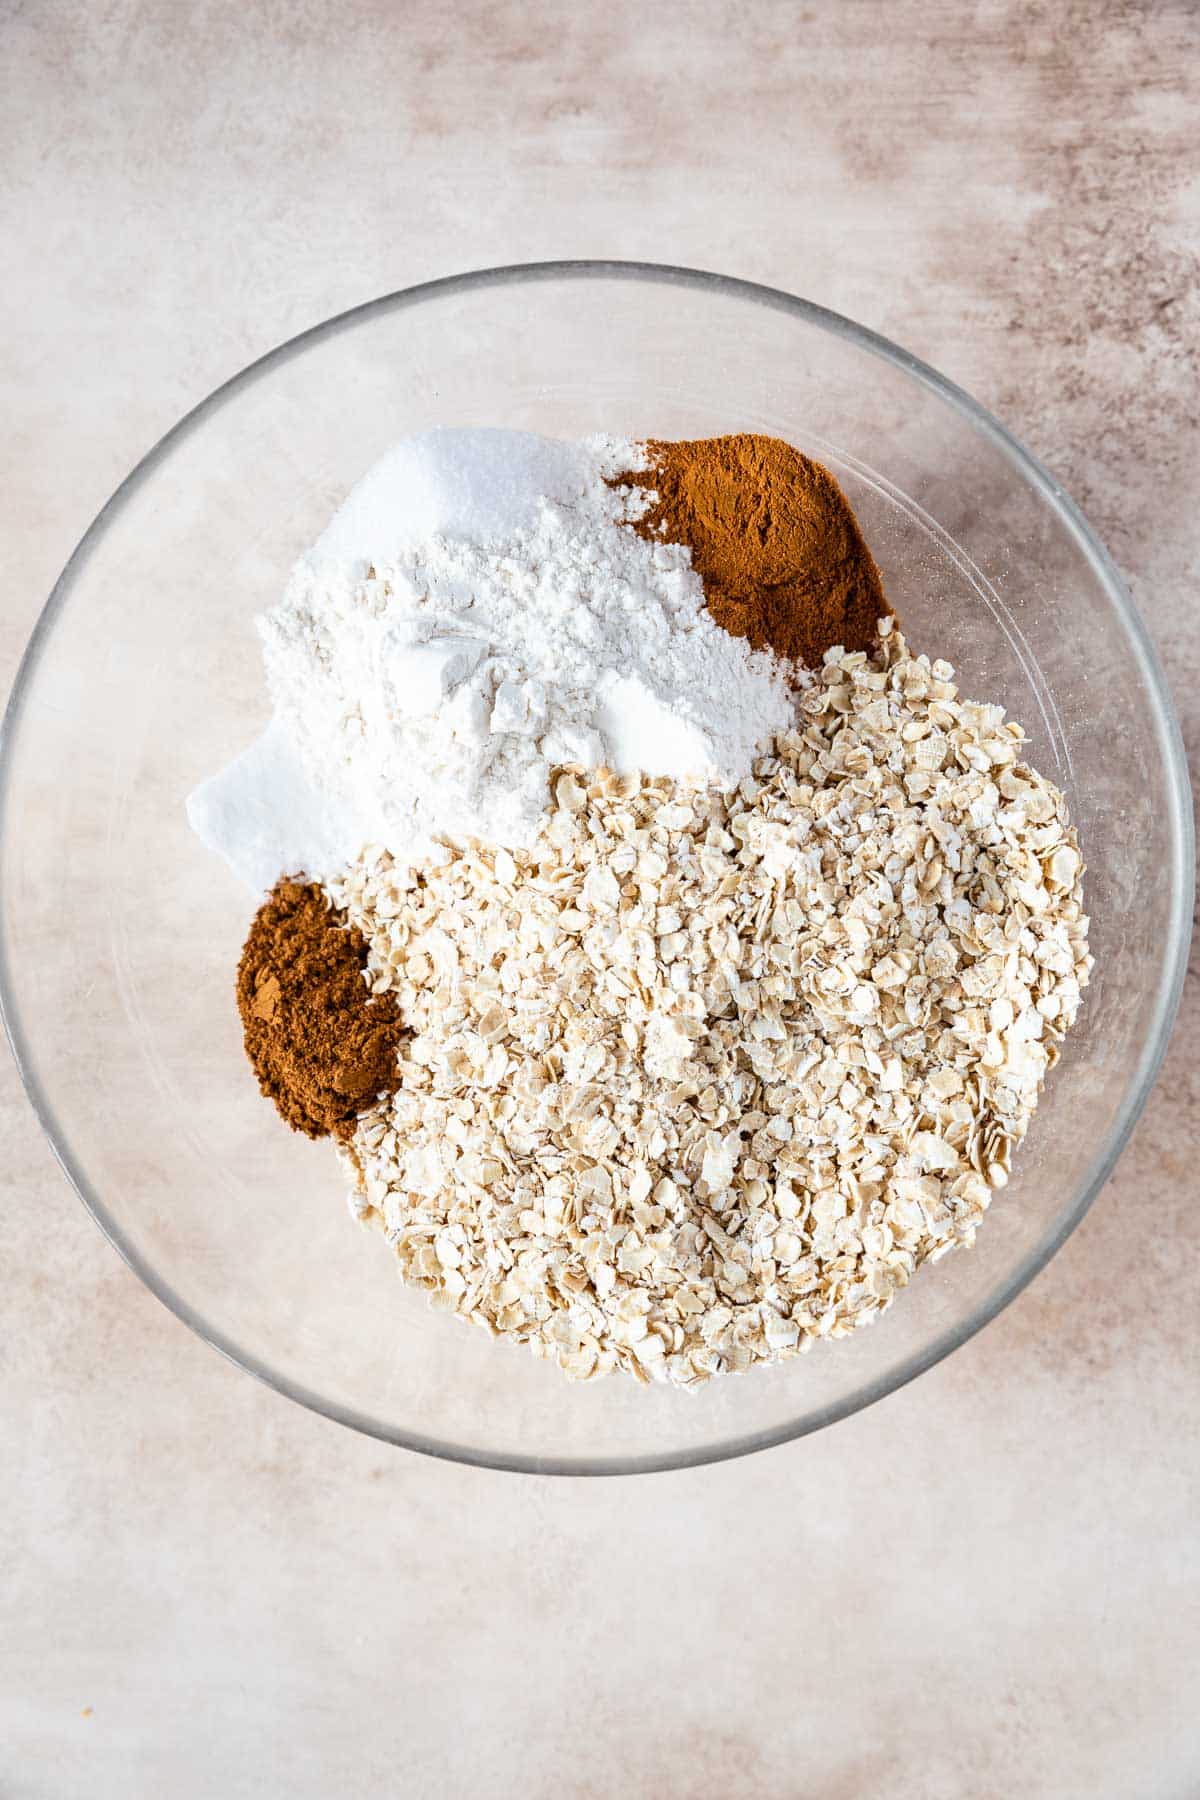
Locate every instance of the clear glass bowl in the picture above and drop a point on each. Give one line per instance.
(121, 934)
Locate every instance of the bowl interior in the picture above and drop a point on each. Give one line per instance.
(121, 934)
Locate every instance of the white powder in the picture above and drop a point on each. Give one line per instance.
(480, 484)
(475, 614)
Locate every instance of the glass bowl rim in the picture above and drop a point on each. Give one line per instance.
(1170, 743)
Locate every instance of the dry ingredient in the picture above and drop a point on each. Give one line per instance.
(323, 1047)
(702, 1076)
(678, 958)
(773, 538)
(450, 681)
(430, 694)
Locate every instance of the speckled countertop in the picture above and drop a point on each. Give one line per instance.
(988, 1584)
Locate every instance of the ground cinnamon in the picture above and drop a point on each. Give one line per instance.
(321, 1044)
(773, 539)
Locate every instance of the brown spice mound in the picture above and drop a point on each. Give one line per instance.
(322, 1046)
(773, 539)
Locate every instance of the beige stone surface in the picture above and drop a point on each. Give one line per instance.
(986, 1585)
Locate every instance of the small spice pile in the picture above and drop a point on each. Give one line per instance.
(323, 1047)
(773, 539)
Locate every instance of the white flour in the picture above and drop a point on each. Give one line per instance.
(472, 616)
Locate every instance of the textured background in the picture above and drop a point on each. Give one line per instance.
(985, 1586)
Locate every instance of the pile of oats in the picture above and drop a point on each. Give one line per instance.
(705, 1075)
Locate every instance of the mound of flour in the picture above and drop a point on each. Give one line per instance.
(475, 614)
